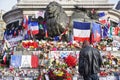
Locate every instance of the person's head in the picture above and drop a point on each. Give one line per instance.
(85, 43)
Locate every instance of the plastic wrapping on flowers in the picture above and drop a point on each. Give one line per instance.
(71, 61)
(59, 74)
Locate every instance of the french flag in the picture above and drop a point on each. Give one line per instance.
(5, 57)
(45, 29)
(29, 61)
(24, 61)
(101, 14)
(34, 28)
(102, 18)
(81, 31)
(25, 22)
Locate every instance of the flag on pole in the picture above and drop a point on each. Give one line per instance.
(34, 28)
(5, 57)
(101, 14)
(29, 25)
(105, 31)
(102, 18)
(110, 32)
(25, 22)
(96, 32)
(81, 31)
(41, 26)
(103, 21)
(45, 29)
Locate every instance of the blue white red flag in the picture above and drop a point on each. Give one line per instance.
(25, 22)
(102, 18)
(34, 28)
(45, 29)
(81, 31)
(101, 14)
(5, 57)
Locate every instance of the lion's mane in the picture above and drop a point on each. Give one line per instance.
(56, 19)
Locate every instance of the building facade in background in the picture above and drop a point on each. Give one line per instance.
(35, 8)
(2, 25)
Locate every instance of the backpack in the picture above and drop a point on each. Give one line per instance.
(83, 67)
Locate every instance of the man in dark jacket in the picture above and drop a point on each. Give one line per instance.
(90, 61)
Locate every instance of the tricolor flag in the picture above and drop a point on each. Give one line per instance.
(24, 61)
(102, 18)
(45, 29)
(25, 22)
(5, 57)
(101, 14)
(81, 31)
(103, 21)
(34, 28)
(96, 32)
(29, 25)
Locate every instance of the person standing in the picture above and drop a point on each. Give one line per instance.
(90, 62)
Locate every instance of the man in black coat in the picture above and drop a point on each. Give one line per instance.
(90, 62)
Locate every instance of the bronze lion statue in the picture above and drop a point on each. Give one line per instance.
(56, 20)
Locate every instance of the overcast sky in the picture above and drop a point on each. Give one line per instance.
(7, 5)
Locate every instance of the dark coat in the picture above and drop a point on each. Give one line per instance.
(94, 59)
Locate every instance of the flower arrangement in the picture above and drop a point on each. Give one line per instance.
(103, 73)
(59, 74)
(71, 61)
(30, 44)
(58, 71)
(104, 43)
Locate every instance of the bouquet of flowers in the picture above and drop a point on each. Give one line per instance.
(71, 61)
(59, 74)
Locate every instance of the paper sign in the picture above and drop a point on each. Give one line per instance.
(108, 48)
(111, 78)
(102, 78)
(74, 78)
(46, 77)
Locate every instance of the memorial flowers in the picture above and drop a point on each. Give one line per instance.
(59, 74)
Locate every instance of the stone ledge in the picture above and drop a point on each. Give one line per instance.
(13, 15)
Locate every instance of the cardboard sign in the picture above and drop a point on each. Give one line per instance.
(75, 78)
(102, 78)
(46, 77)
(111, 78)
